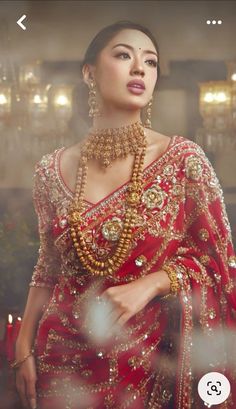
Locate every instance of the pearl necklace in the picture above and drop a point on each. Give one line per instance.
(111, 263)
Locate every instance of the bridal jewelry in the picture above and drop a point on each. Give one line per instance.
(174, 283)
(92, 101)
(111, 263)
(147, 122)
(94, 109)
(109, 144)
(16, 364)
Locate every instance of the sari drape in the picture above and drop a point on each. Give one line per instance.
(160, 354)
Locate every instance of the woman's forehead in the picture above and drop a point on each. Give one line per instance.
(134, 38)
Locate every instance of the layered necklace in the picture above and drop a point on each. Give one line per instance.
(107, 145)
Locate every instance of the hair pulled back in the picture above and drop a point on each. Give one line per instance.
(98, 43)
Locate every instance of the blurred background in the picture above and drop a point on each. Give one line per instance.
(41, 109)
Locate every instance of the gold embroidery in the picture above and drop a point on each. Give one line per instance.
(193, 168)
(232, 261)
(111, 229)
(177, 190)
(203, 234)
(140, 260)
(205, 259)
(156, 220)
(154, 197)
(229, 287)
(211, 313)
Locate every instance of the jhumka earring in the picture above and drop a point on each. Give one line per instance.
(148, 123)
(92, 101)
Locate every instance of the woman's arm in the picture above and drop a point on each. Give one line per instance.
(45, 272)
(158, 283)
(26, 375)
(38, 297)
(44, 279)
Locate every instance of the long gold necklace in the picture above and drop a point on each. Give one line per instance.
(111, 263)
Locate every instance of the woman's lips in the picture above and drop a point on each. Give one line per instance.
(135, 90)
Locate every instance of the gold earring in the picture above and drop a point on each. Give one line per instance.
(148, 123)
(92, 101)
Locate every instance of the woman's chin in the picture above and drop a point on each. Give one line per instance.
(131, 103)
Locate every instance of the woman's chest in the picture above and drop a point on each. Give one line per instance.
(160, 211)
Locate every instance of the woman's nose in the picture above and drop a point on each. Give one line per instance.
(138, 71)
(137, 68)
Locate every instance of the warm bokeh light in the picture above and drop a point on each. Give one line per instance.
(61, 100)
(220, 97)
(37, 99)
(3, 99)
(215, 97)
(30, 73)
(209, 97)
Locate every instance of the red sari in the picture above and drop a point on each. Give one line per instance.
(161, 353)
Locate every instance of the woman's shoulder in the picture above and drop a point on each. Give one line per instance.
(46, 167)
(156, 137)
(187, 155)
(194, 160)
(182, 144)
(190, 152)
(47, 160)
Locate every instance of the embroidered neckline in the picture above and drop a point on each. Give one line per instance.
(120, 188)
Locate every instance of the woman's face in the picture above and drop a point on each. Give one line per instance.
(117, 65)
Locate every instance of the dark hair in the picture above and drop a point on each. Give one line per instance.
(98, 43)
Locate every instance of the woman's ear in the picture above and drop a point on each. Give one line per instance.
(87, 73)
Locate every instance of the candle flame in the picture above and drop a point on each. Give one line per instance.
(10, 318)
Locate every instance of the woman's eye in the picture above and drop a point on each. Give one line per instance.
(122, 54)
(153, 62)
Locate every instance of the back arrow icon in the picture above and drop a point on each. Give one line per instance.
(19, 22)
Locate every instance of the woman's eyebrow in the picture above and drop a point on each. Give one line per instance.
(131, 48)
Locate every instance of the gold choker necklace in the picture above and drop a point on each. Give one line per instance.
(109, 144)
(111, 263)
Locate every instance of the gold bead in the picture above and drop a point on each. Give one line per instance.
(113, 143)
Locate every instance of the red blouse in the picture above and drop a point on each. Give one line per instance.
(167, 347)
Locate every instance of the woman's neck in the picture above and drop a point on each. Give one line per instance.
(115, 121)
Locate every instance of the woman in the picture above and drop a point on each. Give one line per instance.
(136, 265)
